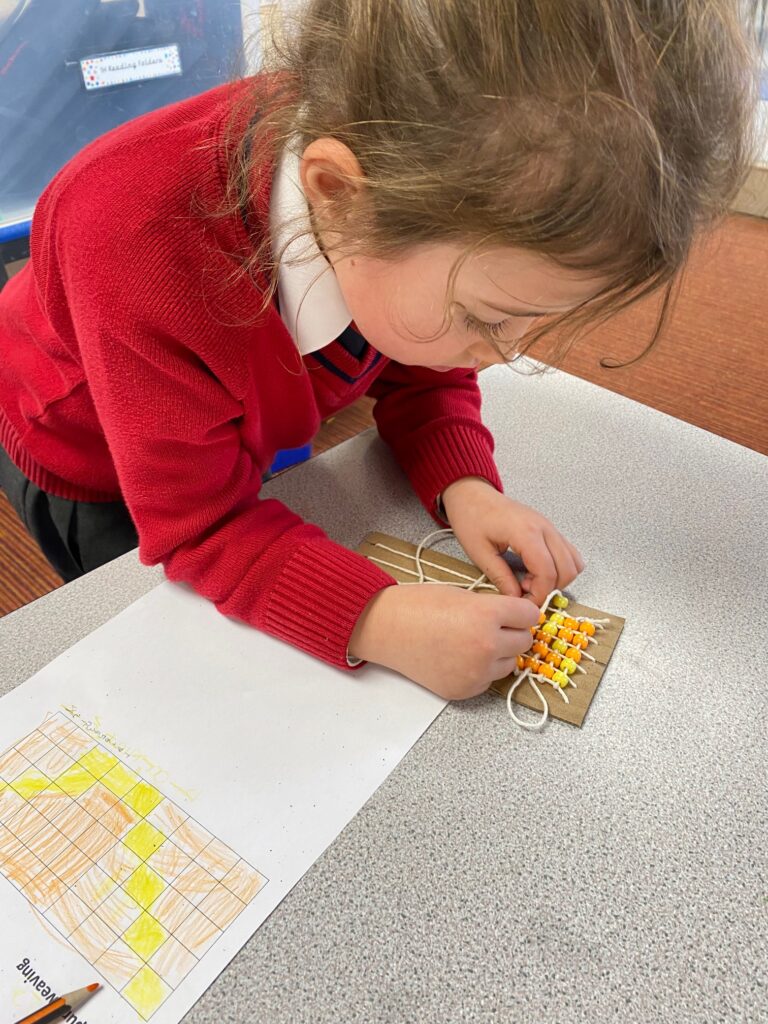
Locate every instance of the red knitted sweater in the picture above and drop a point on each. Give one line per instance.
(132, 366)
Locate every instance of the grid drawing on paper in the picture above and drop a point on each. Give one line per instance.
(132, 882)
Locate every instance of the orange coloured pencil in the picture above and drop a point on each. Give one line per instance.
(61, 1007)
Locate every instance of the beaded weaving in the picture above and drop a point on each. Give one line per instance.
(571, 645)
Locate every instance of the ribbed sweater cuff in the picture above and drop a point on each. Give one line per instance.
(439, 459)
(319, 596)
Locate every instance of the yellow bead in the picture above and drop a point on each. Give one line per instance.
(567, 665)
(560, 646)
(549, 628)
(560, 678)
(560, 601)
(558, 619)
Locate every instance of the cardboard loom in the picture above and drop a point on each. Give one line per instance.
(435, 563)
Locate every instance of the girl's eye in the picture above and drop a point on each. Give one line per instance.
(484, 328)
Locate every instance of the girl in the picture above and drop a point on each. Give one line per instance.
(417, 185)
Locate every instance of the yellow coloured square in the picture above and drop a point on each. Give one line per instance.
(119, 780)
(30, 783)
(144, 839)
(97, 762)
(143, 798)
(144, 885)
(145, 936)
(146, 991)
(75, 781)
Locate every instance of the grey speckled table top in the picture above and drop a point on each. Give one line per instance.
(612, 873)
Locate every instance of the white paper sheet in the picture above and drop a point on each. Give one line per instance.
(216, 763)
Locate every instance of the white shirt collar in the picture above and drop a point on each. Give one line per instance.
(311, 304)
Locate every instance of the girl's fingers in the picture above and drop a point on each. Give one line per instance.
(541, 577)
(578, 561)
(563, 559)
(496, 569)
(514, 642)
(504, 667)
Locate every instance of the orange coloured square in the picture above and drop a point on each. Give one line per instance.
(51, 801)
(172, 962)
(119, 819)
(169, 861)
(67, 913)
(26, 822)
(44, 889)
(171, 908)
(93, 938)
(222, 906)
(71, 865)
(73, 821)
(12, 764)
(97, 801)
(244, 881)
(195, 883)
(197, 932)
(119, 964)
(119, 862)
(94, 886)
(217, 858)
(191, 837)
(48, 844)
(34, 745)
(95, 841)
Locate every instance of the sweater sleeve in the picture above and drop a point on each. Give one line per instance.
(431, 420)
(173, 418)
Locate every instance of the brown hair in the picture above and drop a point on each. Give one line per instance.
(600, 133)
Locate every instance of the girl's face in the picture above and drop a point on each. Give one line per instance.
(400, 305)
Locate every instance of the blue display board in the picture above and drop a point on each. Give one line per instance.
(72, 69)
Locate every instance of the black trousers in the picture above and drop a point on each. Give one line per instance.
(75, 536)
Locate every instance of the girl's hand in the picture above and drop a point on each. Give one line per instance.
(452, 642)
(486, 523)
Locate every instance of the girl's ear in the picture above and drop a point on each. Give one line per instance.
(329, 171)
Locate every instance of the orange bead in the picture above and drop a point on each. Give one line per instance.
(520, 663)
(588, 628)
(574, 654)
(546, 670)
(542, 618)
(579, 641)
(565, 634)
(540, 648)
(553, 658)
(571, 624)
(530, 663)
(544, 637)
